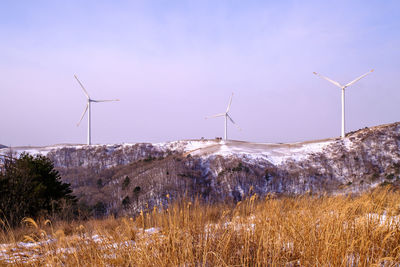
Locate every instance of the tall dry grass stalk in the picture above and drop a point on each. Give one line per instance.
(298, 231)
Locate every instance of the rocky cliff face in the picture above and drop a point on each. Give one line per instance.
(128, 177)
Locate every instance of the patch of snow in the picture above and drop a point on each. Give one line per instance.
(152, 230)
(96, 238)
(195, 145)
(347, 143)
(274, 153)
(383, 219)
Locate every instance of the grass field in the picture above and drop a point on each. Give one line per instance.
(286, 231)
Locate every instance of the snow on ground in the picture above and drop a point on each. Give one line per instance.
(35, 150)
(274, 153)
(29, 252)
(347, 143)
(22, 252)
(381, 219)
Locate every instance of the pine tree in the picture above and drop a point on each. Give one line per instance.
(30, 187)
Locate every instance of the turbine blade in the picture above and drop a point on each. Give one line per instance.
(84, 90)
(329, 80)
(216, 115)
(359, 78)
(105, 100)
(234, 122)
(83, 114)
(231, 119)
(229, 105)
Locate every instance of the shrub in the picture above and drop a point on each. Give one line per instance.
(136, 193)
(126, 183)
(267, 176)
(126, 202)
(238, 168)
(149, 159)
(29, 187)
(390, 176)
(99, 209)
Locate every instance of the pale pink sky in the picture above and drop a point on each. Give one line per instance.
(171, 63)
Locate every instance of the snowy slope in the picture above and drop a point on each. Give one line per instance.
(217, 170)
(105, 156)
(274, 153)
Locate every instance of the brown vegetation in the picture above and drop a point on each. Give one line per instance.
(98, 174)
(288, 231)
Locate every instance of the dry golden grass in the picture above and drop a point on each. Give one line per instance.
(300, 231)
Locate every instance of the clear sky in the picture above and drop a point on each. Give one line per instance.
(171, 63)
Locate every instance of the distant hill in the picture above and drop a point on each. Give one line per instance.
(2, 146)
(125, 178)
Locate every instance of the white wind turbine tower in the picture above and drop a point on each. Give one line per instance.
(226, 115)
(89, 100)
(343, 87)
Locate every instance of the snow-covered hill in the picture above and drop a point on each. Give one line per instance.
(120, 154)
(217, 169)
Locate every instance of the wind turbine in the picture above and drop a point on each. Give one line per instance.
(226, 115)
(89, 100)
(343, 87)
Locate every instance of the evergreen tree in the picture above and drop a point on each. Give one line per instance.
(29, 187)
(126, 183)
